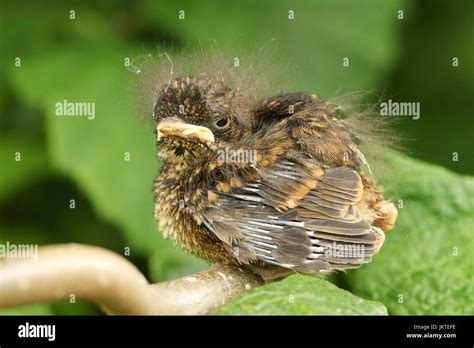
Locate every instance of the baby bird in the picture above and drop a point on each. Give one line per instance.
(276, 186)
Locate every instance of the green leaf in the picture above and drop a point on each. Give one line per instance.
(48, 26)
(92, 151)
(24, 161)
(426, 264)
(302, 295)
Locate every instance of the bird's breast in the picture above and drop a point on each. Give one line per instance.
(178, 223)
(169, 204)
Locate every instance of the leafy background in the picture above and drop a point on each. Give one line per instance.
(426, 266)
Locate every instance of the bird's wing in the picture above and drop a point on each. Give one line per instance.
(308, 119)
(297, 215)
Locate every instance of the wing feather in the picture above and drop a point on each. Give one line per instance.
(297, 215)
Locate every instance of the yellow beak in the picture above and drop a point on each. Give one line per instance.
(176, 127)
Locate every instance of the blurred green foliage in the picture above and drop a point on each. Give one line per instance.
(80, 159)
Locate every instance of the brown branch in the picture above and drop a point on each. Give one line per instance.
(111, 281)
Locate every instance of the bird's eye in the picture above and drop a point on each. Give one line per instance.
(222, 122)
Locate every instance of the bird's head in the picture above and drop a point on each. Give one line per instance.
(194, 115)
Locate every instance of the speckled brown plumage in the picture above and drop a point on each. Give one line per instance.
(300, 198)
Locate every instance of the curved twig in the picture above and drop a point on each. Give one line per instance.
(117, 286)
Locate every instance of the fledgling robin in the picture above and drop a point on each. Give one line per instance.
(276, 186)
